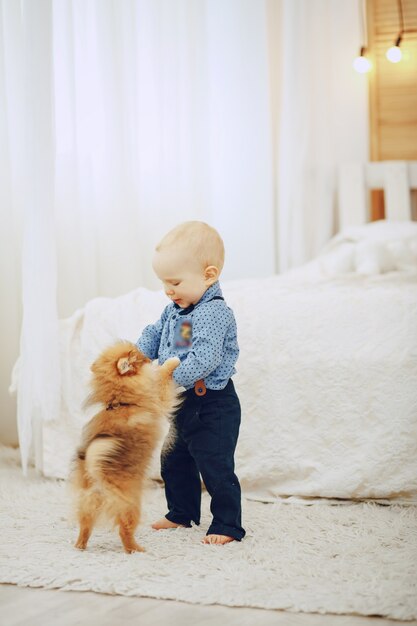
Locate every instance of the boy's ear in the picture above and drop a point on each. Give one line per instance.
(211, 273)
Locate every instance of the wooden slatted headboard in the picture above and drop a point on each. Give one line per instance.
(396, 178)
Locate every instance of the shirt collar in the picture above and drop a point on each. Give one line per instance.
(212, 291)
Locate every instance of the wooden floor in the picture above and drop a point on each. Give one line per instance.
(43, 607)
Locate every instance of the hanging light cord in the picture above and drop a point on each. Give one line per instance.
(401, 16)
(401, 20)
(363, 28)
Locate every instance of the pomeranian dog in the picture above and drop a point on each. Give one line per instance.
(109, 469)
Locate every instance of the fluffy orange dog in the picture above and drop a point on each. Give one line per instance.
(109, 469)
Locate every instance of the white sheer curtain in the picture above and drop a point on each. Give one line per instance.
(121, 119)
(323, 121)
(27, 205)
(161, 113)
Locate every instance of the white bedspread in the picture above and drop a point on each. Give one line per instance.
(327, 378)
(328, 383)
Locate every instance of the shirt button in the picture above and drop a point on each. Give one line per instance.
(168, 344)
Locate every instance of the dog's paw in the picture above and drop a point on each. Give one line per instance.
(173, 361)
(134, 548)
(171, 364)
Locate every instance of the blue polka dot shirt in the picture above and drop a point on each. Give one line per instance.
(203, 336)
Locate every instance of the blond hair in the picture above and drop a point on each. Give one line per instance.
(201, 241)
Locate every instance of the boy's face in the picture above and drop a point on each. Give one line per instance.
(184, 281)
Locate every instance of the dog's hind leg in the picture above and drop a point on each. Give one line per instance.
(86, 527)
(128, 522)
(87, 514)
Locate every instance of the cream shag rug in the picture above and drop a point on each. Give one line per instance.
(355, 558)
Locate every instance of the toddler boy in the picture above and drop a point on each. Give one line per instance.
(200, 329)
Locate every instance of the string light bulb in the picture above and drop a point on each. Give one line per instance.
(394, 53)
(362, 64)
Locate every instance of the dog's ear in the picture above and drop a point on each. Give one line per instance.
(124, 365)
(130, 363)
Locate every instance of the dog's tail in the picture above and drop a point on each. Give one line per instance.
(101, 451)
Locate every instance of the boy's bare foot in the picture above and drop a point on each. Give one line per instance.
(165, 523)
(220, 539)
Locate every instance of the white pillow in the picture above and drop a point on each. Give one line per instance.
(404, 253)
(374, 248)
(340, 260)
(373, 257)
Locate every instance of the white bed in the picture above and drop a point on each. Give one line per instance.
(326, 375)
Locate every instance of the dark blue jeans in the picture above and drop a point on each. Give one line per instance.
(206, 430)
